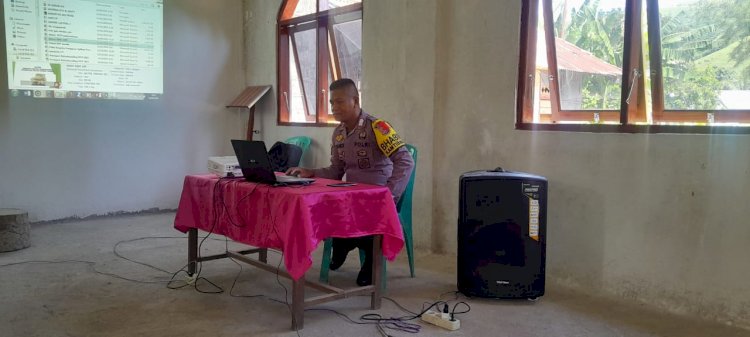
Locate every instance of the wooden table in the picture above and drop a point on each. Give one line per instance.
(293, 220)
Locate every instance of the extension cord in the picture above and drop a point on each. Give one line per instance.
(442, 320)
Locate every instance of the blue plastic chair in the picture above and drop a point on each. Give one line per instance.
(404, 208)
(302, 141)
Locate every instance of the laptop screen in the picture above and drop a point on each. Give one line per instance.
(253, 160)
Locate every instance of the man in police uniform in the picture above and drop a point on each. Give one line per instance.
(368, 150)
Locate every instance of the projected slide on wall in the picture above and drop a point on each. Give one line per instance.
(87, 49)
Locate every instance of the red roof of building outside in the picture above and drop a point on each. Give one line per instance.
(570, 57)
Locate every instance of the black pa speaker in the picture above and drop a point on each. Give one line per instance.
(502, 227)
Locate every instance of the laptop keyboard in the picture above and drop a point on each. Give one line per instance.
(289, 179)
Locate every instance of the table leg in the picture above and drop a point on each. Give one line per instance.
(192, 250)
(298, 303)
(377, 267)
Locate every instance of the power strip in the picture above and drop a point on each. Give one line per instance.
(442, 320)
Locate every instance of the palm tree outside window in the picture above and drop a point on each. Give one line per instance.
(635, 66)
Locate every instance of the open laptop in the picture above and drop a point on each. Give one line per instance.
(256, 166)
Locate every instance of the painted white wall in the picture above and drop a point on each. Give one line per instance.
(75, 158)
(660, 219)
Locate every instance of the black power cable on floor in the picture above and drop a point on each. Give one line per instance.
(117, 253)
(91, 265)
(194, 280)
(381, 323)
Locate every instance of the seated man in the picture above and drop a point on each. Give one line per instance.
(368, 151)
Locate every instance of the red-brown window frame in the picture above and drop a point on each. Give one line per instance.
(326, 59)
(632, 61)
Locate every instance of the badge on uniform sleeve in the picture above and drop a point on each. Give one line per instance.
(388, 140)
(339, 137)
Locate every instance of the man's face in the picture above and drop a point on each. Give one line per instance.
(344, 105)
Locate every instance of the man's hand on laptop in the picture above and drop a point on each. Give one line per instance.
(300, 172)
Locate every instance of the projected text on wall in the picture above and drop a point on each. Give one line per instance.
(90, 49)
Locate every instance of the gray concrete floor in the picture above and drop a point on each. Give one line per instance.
(71, 299)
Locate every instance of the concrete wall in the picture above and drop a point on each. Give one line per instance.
(260, 47)
(660, 219)
(656, 218)
(399, 86)
(76, 158)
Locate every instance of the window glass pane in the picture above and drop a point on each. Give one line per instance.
(589, 41)
(542, 103)
(349, 49)
(341, 3)
(704, 48)
(305, 42)
(295, 99)
(304, 7)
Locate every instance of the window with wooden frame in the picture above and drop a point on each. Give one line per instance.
(635, 66)
(319, 41)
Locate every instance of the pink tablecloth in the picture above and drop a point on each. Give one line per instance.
(292, 219)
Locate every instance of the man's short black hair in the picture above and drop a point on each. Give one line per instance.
(345, 83)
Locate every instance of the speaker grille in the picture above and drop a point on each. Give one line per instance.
(501, 236)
